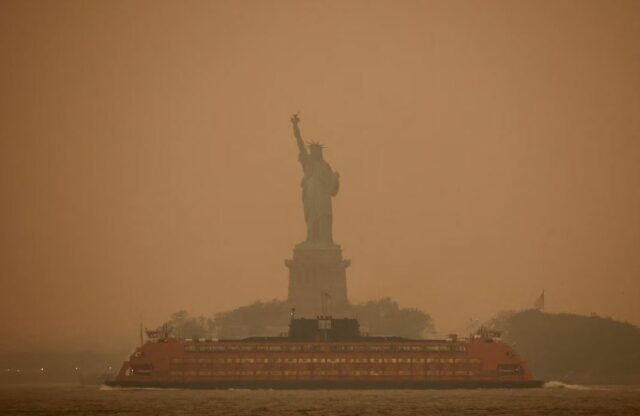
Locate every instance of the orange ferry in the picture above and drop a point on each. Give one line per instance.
(325, 353)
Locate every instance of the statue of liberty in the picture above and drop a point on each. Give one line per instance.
(319, 184)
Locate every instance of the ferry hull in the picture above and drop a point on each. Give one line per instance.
(329, 385)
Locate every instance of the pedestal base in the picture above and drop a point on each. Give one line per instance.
(314, 272)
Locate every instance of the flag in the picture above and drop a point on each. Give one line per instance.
(539, 305)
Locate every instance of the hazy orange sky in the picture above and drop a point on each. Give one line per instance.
(487, 149)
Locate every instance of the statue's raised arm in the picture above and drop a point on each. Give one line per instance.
(295, 120)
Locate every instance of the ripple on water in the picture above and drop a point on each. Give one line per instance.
(554, 399)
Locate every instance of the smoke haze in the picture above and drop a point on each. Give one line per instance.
(487, 151)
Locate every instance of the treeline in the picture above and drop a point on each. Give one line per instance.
(574, 348)
(377, 317)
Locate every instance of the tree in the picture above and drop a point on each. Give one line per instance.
(384, 317)
(257, 319)
(567, 347)
(184, 325)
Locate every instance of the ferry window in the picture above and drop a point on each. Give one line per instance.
(418, 360)
(217, 348)
(176, 373)
(247, 360)
(246, 348)
(204, 361)
(176, 360)
(416, 348)
(232, 348)
(509, 369)
(261, 348)
(460, 360)
(204, 373)
(275, 348)
(143, 369)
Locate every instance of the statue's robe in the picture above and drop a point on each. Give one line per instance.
(319, 184)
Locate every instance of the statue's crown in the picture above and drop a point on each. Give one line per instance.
(315, 144)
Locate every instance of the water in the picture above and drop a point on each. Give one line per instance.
(555, 399)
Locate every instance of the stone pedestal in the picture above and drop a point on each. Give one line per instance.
(314, 271)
